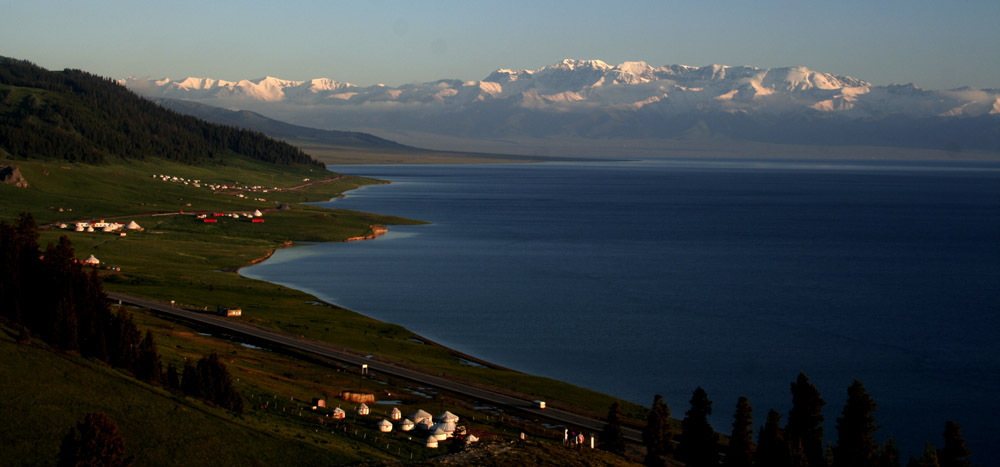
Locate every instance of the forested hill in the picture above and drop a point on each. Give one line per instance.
(77, 116)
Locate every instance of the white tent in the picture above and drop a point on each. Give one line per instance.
(92, 260)
(90, 229)
(425, 424)
(406, 424)
(471, 439)
(432, 442)
(396, 414)
(133, 226)
(419, 415)
(339, 413)
(447, 428)
(257, 213)
(447, 416)
(363, 409)
(440, 434)
(109, 228)
(385, 426)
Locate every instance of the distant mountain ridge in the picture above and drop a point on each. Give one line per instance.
(278, 129)
(592, 99)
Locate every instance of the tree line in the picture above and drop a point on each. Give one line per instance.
(77, 116)
(798, 444)
(49, 295)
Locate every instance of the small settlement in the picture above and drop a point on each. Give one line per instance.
(430, 428)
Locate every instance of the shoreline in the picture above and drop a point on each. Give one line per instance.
(423, 340)
(377, 231)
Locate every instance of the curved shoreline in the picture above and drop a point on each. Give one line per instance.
(376, 231)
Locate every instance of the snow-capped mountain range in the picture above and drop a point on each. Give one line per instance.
(590, 98)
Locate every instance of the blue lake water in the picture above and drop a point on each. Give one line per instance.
(641, 277)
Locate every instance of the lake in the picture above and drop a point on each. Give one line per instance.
(637, 278)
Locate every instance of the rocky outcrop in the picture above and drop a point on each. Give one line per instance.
(12, 176)
(376, 231)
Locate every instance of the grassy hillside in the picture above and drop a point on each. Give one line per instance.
(53, 391)
(76, 116)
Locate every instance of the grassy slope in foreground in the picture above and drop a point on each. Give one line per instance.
(52, 390)
(178, 258)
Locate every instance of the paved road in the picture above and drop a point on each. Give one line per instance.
(340, 354)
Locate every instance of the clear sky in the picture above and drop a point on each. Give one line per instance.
(934, 44)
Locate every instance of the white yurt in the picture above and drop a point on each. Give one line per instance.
(385, 426)
(79, 228)
(406, 425)
(425, 424)
(363, 409)
(440, 434)
(396, 414)
(419, 415)
(90, 228)
(432, 442)
(447, 416)
(109, 228)
(448, 428)
(132, 225)
(257, 213)
(339, 413)
(471, 439)
(92, 260)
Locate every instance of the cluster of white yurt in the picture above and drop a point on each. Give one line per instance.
(438, 428)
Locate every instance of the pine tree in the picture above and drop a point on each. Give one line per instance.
(94, 314)
(95, 441)
(148, 367)
(173, 380)
(125, 342)
(888, 454)
(219, 384)
(740, 452)
(612, 439)
(190, 385)
(657, 436)
(772, 448)
(698, 440)
(928, 458)
(954, 453)
(856, 430)
(805, 423)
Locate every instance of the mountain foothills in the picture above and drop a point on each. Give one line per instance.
(591, 99)
(76, 116)
(281, 130)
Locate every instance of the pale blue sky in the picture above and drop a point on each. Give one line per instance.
(934, 44)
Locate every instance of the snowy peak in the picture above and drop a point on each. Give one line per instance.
(586, 85)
